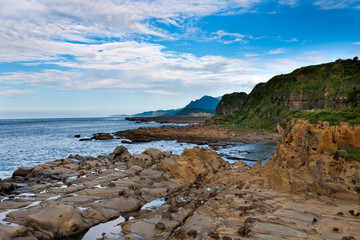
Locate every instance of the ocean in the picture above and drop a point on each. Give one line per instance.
(29, 142)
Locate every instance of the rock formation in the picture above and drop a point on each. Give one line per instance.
(68, 196)
(307, 160)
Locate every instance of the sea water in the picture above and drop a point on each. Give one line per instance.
(29, 142)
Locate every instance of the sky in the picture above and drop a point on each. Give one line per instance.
(86, 58)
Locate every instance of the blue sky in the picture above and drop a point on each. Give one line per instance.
(64, 58)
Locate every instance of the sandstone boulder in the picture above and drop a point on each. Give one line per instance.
(121, 153)
(194, 163)
(57, 221)
(142, 160)
(8, 232)
(156, 154)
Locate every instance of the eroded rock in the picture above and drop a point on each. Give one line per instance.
(57, 221)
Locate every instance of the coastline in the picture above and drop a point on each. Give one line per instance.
(171, 119)
(202, 133)
(193, 196)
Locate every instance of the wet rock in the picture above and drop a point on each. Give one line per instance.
(77, 136)
(103, 136)
(57, 221)
(84, 139)
(160, 226)
(335, 229)
(351, 212)
(126, 141)
(314, 220)
(111, 184)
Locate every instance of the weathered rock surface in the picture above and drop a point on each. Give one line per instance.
(67, 196)
(305, 161)
(57, 221)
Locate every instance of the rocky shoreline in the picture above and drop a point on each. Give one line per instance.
(306, 191)
(171, 119)
(203, 133)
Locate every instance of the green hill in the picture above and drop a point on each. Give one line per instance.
(229, 103)
(328, 91)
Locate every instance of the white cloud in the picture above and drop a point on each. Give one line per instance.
(276, 51)
(228, 38)
(14, 92)
(96, 40)
(334, 4)
(356, 43)
(161, 92)
(291, 40)
(288, 2)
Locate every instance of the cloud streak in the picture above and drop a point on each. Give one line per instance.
(14, 92)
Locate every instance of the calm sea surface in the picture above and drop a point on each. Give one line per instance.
(29, 142)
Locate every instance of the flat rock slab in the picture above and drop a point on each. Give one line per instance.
(121, 204)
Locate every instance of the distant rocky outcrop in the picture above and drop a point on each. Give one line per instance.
(332, 86)
(206, 105)
(317, 158)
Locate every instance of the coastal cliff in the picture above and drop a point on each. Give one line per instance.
(332, 86)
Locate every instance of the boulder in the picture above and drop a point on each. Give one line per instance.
(57, 221)
(142, 160)
(121, 153)
(8, 187)
(194, 163)
(8, 232)
(22, 171)
(156, 154)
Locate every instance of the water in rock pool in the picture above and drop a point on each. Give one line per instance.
(29, 142)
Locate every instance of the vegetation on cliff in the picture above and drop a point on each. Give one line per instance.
(230, 103)
(329, 92)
